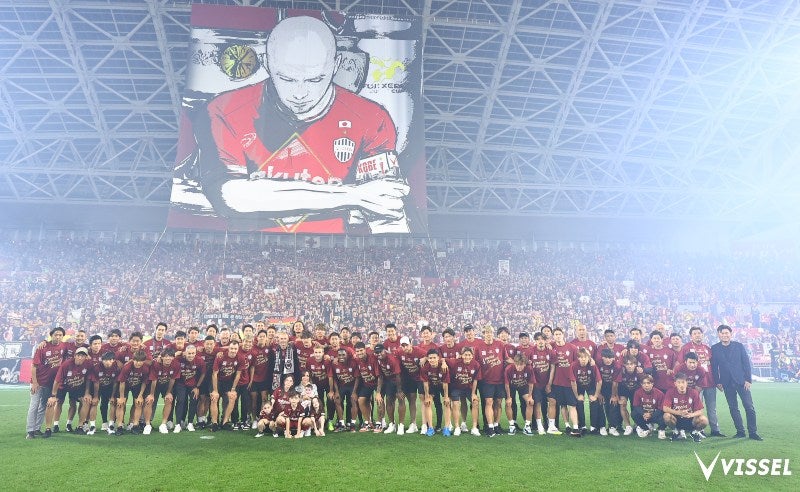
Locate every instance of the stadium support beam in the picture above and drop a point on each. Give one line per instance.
(61, 15)
(508, 35)
(156, 13)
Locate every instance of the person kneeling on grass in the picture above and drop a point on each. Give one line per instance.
(628, 381)
(266, 419)
(519, 380)
(71, 380)
(103, 384)
(294, 418)
(317, 415)
(163, 373)
(647, 404)
(586, 385)
(683, 411)
(435, 381)
(132, 381)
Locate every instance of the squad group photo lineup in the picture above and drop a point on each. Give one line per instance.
(648, 368)
(311, 381)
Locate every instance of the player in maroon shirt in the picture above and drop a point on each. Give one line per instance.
(683, 410)
(426, 339)
(525, 347)
(628, 381)
(391, 385)
(294, 417)
(335, 343)
(519, 379)
(695, 375)
(344, 337)
(179, 343)
(465, 373)
(581, 340)
(709, 391)
(322, 376)
(345, 373)
(435, 380)
(503, 335)
(448, 349)
(472, 342)
(321, 336)
(242, 409)
(411, 358)
(71, 380)
(559, 388)
(225, 338)
(587, 383)
(609, 371)
(491, 355)
(367, 382)
(46, 360)
(298, 328)
(426, 344)
(647, 408)
(305, 349)
(103, 384)
(163, 374)
(635, 334)
(676, 344)
(373, 338)
(224, 383)
(95, 349)
(511, 352)
(392, 342)
(643, 364)
(125, 353)
(209, 354)
(114, 342)
(132, 380)
(469, 339)
(259, 389)
(193, 337)
(211, 331)
(187, 392)
(542, 360)
(610, 342)
(547, 332)
(663, 361)
(78, 340)
(158, 343)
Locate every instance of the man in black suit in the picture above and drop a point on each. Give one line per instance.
(730, 366)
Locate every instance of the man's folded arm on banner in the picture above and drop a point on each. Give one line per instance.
(232, 191)
(383, 167)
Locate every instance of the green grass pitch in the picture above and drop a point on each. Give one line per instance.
(237, 461)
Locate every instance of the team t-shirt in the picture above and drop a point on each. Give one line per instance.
(649, 402)
(689, 401)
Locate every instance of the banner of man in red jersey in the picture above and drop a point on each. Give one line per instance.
(301, 122)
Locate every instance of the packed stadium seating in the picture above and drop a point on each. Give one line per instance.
(97, 286)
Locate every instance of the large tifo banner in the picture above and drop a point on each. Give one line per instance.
(301, 122)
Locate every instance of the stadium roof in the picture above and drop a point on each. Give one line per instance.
(582, 109)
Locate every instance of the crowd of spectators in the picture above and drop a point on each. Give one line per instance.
(97, 286)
